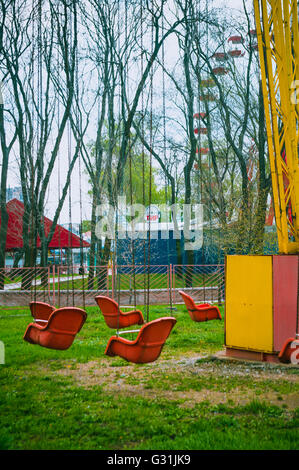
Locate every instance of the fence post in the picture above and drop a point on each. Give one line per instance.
(112, 278)
(53, 289)
(170, 285)
(108, 280)
(173, 284)
(168, 282)
(58, 285)
(221, 285)
(48, 279)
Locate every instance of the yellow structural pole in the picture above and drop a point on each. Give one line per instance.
(277, 32)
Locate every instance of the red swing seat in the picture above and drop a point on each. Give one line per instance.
(113, 315)
(147, 346)
(59, 331)
(289, 351)
(41, 310)
(202, 312)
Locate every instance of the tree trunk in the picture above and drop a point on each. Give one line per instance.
(4, 214)
(102, 271)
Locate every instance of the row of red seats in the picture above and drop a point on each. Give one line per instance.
(56, 328)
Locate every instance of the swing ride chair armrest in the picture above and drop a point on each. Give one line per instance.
(125, 332)
(197, 309)
(137, 314)
(39, 321)
(126, 314)
(123, 340)
(33, 326)
(135, 341)
(131, 312)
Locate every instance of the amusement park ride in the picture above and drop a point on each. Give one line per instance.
(261, 310)
(262, 291)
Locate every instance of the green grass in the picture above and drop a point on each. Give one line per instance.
(157, 281)
(12, 280)
(126, 282)
(81, 399)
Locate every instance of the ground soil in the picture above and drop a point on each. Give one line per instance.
(132, 380)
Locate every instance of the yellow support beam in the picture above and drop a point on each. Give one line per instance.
(278, 43)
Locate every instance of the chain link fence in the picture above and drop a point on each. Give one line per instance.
(127, 284)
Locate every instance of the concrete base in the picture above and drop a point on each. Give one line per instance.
(252, 356)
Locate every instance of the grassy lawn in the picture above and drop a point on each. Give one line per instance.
(127, 281)
(188, 399)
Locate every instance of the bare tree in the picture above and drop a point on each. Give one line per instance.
(36, 90)
(6, 148)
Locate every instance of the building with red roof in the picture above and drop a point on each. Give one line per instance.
(62, 238)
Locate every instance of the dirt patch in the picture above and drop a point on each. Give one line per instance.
(140, 380)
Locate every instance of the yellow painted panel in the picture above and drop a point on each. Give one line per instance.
(249, 303)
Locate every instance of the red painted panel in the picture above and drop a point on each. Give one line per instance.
(285, 294)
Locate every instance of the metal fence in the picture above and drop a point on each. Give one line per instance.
(127, 284)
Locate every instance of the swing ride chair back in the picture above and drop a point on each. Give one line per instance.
(202, 312)
(147, 346)
(41, 311)
(114, 317)
(59, 331)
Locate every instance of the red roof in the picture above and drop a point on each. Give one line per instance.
(62, 238)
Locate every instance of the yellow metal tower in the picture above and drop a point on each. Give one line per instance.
(278, 43)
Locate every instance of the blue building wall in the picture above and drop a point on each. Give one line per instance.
(163, 251)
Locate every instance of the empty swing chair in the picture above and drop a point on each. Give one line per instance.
(116, 318)
(202, 312)
(151, 337)
(58, 331)
(147, 346)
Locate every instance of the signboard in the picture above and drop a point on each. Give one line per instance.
(152, 214)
